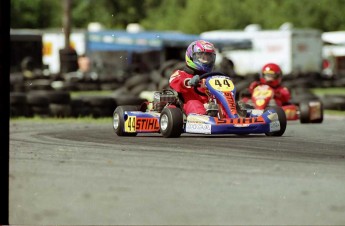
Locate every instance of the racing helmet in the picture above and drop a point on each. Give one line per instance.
(201, 56)
(271, 74)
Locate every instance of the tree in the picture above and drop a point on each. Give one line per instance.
(35, 14)
(164, 16)
(192, 16)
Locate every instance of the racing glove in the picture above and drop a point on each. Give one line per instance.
(194, 81)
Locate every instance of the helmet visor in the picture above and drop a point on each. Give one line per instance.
(204, 57)
(270, 76)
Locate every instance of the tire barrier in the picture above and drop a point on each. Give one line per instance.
(44, 95)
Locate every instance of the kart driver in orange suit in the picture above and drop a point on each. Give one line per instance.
(200, 58)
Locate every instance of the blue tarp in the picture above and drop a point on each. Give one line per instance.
(118, 40)
(142, 41)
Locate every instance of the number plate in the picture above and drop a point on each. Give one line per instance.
(130, 124)
(223, 84)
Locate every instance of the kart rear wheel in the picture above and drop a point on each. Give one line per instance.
(282, 121)
(119, 120)
(171, 122)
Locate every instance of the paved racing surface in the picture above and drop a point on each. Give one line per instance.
(83, 174)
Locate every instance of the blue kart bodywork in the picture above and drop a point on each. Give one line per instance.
(171, 121)
(149, 122)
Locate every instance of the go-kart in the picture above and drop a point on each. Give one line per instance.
(166, 115)
(306, 111)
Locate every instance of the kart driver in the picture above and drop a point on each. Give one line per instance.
(271, 75)
(200, 58)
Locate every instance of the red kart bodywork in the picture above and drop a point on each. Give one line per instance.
(307, 112)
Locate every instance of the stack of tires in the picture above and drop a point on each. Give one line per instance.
(50, 95)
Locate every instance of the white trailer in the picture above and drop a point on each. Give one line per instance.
(296, 50)
(334, 53)
(54, 41)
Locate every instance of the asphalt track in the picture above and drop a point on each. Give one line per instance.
(83, 174)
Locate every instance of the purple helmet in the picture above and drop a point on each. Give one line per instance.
(200, 56)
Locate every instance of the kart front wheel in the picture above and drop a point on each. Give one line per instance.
(119, 120)
(171, 122)
(304, 112)
(282, 122)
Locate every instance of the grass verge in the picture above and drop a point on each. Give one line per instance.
(329, 91)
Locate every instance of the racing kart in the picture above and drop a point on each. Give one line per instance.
(306, 111)
(165, 115)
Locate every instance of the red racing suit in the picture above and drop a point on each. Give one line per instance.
(193, 102)
(282, 95)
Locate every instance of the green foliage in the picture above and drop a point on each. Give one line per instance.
(86, 11)
(192, 16)
(164, 16)
(35, 14)
(326, 15)
(195, 16)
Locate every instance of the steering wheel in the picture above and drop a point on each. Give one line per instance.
(206, 75)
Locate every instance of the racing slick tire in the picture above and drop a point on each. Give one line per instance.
(282, 121)
(119, 120)
(304, 112)
(171, 122)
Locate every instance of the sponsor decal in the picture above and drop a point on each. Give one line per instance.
(47, 48)
(198, 128)
(197, 118)
(274, 126)
(257, 112)
(176, 74)
(241, 125)
(135, 112)
(142, 114)
(262, 92)
(260, 102)
(241, 121)
(231, 102)
(273, 116)
(147, 124)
